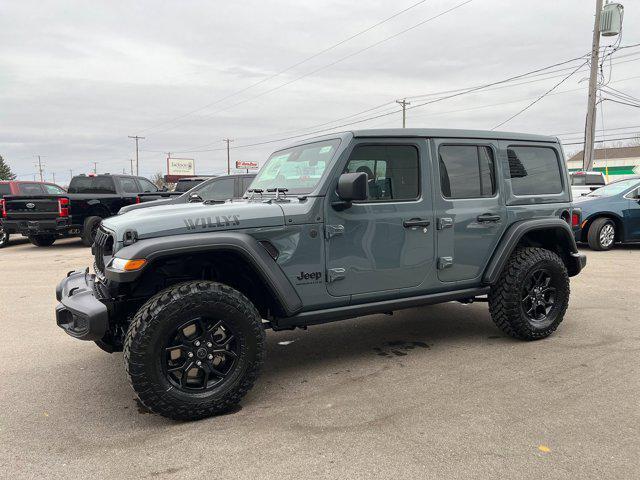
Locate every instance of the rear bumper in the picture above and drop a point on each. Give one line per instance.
(55, 226)
(80, 313)
(577, 262)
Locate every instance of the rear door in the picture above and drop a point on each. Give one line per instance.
(470, 213)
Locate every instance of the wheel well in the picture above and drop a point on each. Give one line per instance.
(98, 211)
(616, 221)
(226, 267)
(554, 239)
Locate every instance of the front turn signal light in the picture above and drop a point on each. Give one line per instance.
(125, 265)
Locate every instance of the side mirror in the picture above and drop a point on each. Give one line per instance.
(195, 198)
(593, 188)
(352, 187)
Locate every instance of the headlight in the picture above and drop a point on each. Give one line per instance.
(126, 265)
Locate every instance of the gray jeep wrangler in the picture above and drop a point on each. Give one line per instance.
(336, 227)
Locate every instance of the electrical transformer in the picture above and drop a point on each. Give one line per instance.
(611, 19)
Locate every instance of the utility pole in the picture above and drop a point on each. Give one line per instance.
(40, 170)
(70, 174)
(590, 123)
(404, 104)
(228, 141)
(131, 162)
(136, 138)
(53, 174)
(95, 167)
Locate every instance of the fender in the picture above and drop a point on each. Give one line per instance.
(518, 230)
(245, 245)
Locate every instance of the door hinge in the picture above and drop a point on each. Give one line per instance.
(333, 230)
(334, 274)
(445, 262)
(445, 222)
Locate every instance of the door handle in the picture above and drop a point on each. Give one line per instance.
(415, 222)
(488, 217)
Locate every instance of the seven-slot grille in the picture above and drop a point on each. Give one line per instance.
(102, 247)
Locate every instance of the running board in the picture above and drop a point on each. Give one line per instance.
(316, 317)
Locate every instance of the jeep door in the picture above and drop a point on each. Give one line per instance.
(470, 213)
(386, 243)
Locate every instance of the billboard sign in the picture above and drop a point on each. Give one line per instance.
(243, 165)
(181, 167)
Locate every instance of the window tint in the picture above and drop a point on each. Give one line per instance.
(147, 186)
(5, 189)
(218, 190)
(53, 189)
(467, 171)
(534, 170)
(129, 185)
(30, 189)
(392, 171)
(246, 181)
(102, 184)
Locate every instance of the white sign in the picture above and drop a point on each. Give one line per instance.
(246, 165)
(181, 166)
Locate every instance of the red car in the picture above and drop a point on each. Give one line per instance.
(17, 187)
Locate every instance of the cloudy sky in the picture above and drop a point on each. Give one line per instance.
(76, 78)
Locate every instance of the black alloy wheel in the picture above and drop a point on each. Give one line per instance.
(538, 296)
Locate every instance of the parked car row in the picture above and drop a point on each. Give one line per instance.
(44, 212)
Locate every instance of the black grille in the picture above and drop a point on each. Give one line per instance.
(102, 247)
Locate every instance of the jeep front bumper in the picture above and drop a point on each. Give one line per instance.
(80, 313)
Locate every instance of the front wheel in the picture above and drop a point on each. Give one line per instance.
(602, 234)
(4, 238)
(532, 294)
(194, 350)
(42, 240)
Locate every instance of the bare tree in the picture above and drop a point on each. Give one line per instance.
(158, 180)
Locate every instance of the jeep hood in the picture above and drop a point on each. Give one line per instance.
(178, 219)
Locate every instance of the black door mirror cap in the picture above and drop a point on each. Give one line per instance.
(353, 187)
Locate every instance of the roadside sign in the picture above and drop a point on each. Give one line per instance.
(244, 165)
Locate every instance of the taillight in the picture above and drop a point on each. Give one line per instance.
(4, 208)
(63, 207)
(575, 219)
(138, 199)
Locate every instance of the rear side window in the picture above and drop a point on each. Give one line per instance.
(129, 185)
(534, 171)
(467, 171)
(53, 189)
(30, 189)
(92, 185)
(5, 189)
(392, 171)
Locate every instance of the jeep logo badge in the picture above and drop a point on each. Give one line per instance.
(30, 205)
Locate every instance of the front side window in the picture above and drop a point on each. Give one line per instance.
(217, 190)
(534, 171)
(147, 186)
(392, 171)
(297, 169)
(467, 171)
(54, 189)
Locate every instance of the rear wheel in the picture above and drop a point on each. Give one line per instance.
(532, 294)
(194, 350)
(89, 230)
(42, 240)
(602, 234)
(4, 238)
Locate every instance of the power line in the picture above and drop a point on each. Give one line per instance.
(602, 141)
(291, 67)
(331, 64)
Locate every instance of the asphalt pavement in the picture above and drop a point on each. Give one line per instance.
(433, 392)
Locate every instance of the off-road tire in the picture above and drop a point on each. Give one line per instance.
(151, 326)
(595, 231)
(89, 229)
(4, 238)
(505, 297)
(42, 240)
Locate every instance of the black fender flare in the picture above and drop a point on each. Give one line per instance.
(518, 230)
(246, 246)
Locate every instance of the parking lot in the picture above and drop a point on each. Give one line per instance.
(427, 393)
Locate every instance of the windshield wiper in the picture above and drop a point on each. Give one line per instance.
(278, 191)
(253, 191)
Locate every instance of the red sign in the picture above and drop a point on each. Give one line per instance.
(246, 165)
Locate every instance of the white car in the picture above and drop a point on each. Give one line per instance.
(583, 183)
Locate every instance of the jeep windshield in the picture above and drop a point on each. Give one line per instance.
(298, 169)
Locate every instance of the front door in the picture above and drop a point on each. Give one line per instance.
(470, 213)
(386, 243)
(632, 215)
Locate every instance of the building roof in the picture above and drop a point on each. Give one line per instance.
(611, 153)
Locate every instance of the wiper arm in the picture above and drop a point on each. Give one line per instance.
(278, 191)
(253, 191)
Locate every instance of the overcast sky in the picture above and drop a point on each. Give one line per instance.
(76, 78)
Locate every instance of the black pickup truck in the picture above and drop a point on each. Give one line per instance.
(89, 199)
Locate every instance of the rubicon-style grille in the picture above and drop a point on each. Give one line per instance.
(102, 247)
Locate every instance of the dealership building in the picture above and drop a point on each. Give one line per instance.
(616, 163)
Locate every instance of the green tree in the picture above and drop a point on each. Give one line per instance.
(5, 171)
